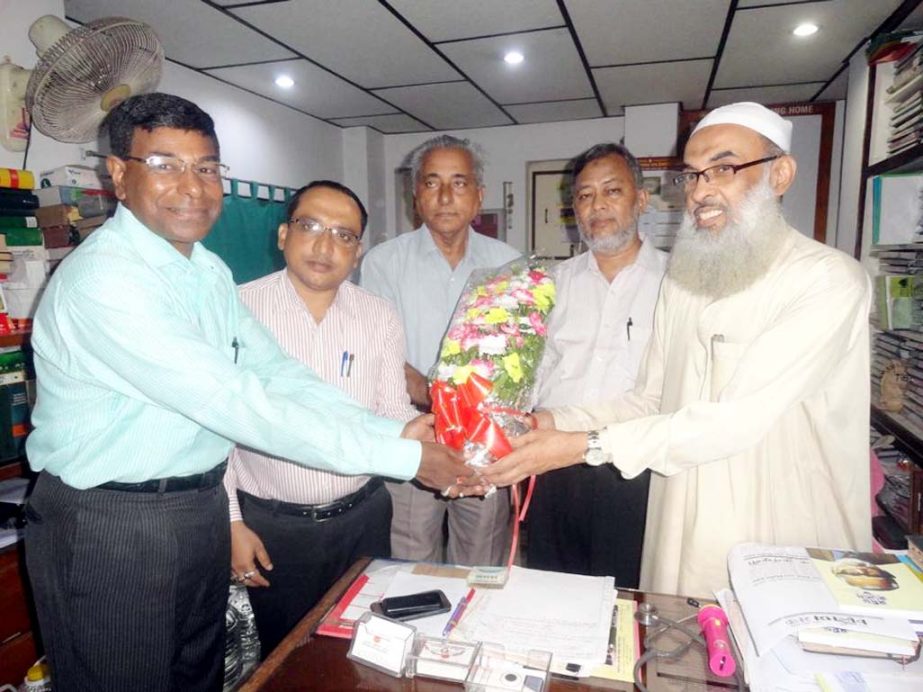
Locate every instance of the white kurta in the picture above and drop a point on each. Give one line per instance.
(753, 410)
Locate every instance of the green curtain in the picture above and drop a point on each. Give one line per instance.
(245, 234)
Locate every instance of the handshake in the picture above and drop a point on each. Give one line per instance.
(442, 468)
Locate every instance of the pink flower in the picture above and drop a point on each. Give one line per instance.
(523, 296)
(537, 276)
(537, 324)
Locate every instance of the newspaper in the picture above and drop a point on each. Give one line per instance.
(780, 592)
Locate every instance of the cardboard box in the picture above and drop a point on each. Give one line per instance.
(56, 215)
(73, 176)
(65, 194)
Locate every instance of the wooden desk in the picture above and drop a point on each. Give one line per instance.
(303, 661)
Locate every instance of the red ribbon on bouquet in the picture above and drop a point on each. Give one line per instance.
(461, 415)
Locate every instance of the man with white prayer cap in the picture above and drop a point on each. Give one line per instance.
(752, 404)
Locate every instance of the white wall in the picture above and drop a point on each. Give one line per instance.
(260, 140)
(508, 150)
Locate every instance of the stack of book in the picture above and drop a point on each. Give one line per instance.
(18, 225)
(811, 618)
(905, 97)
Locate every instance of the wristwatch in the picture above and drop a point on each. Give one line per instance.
(594, 454)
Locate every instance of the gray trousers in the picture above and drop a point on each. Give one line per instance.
(130, 588)
(479, 528)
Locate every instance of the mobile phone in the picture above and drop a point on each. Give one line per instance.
(412, 606)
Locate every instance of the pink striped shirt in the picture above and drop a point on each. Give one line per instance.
(358, 323)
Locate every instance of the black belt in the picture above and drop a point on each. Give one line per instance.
(314, 512)
(200, 481)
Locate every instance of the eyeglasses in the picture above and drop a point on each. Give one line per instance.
(172, 167)
(314, 227)
(716, 174)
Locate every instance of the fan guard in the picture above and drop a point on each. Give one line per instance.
(89, 71)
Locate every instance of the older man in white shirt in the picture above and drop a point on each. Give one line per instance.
(423, 272)
(586, 519)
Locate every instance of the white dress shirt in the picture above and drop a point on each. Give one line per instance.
(357, 323)
(598, 330)
(412, 272)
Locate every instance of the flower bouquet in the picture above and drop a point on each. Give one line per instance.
(483, 382)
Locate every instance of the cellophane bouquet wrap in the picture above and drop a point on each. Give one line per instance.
(483, 382)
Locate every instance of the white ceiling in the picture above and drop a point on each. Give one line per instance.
(417, 65)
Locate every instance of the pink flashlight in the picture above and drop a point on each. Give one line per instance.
(714, 624)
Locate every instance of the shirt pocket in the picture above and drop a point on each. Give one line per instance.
(725, 357)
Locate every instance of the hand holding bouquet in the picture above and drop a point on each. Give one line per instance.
(484, 379)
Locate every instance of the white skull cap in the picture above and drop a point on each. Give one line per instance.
(758, 118)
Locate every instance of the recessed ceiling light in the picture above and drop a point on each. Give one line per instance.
(285, 81)
(514, 57)
(806, 29)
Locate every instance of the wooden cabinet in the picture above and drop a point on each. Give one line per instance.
(18, 649)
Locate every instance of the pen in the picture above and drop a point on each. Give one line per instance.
(343, 362)
(457, 615)
(349, 367)
(613, 636)
(628, 326)
(235, 344)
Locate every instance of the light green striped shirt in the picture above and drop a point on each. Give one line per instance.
(135, 358)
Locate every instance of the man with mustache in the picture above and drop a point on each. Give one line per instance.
(588, 519)
(295, 529)
(423, 273)
(752, 404)
(148, 371)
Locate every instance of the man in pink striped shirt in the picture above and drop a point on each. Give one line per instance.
(295, 530)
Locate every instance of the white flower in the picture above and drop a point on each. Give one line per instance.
(492, 345)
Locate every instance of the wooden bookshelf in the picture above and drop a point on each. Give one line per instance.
(16, 338)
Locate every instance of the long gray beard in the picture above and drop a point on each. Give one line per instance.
(610, 244)
(721, 264)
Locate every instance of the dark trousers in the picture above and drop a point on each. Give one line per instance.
(309, 556)
(588, 520)
(130, 588)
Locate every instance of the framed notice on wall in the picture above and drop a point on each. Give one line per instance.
(554, 227)
(491, 222)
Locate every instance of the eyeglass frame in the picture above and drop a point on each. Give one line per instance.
(337, 234)
(223, 168)
(681, 178)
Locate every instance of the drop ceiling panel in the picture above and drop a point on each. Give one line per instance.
(636, 85)
(442, 21)
(765, 95)
(633, 31)
(551, 69)
(357, 39)
(388, 124)
(191, 32)
(446, 106)
(761, 49)
(316, 91)
(559, 110)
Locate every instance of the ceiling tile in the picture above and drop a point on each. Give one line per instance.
(552, 111)
(388, 124)
(446, 106)
(551, 70)
(441, 21)
(636, 85)
(761, 49)
(632, 31)
(357, 39)
(198, 35)
(791, 93)
(316, 91)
